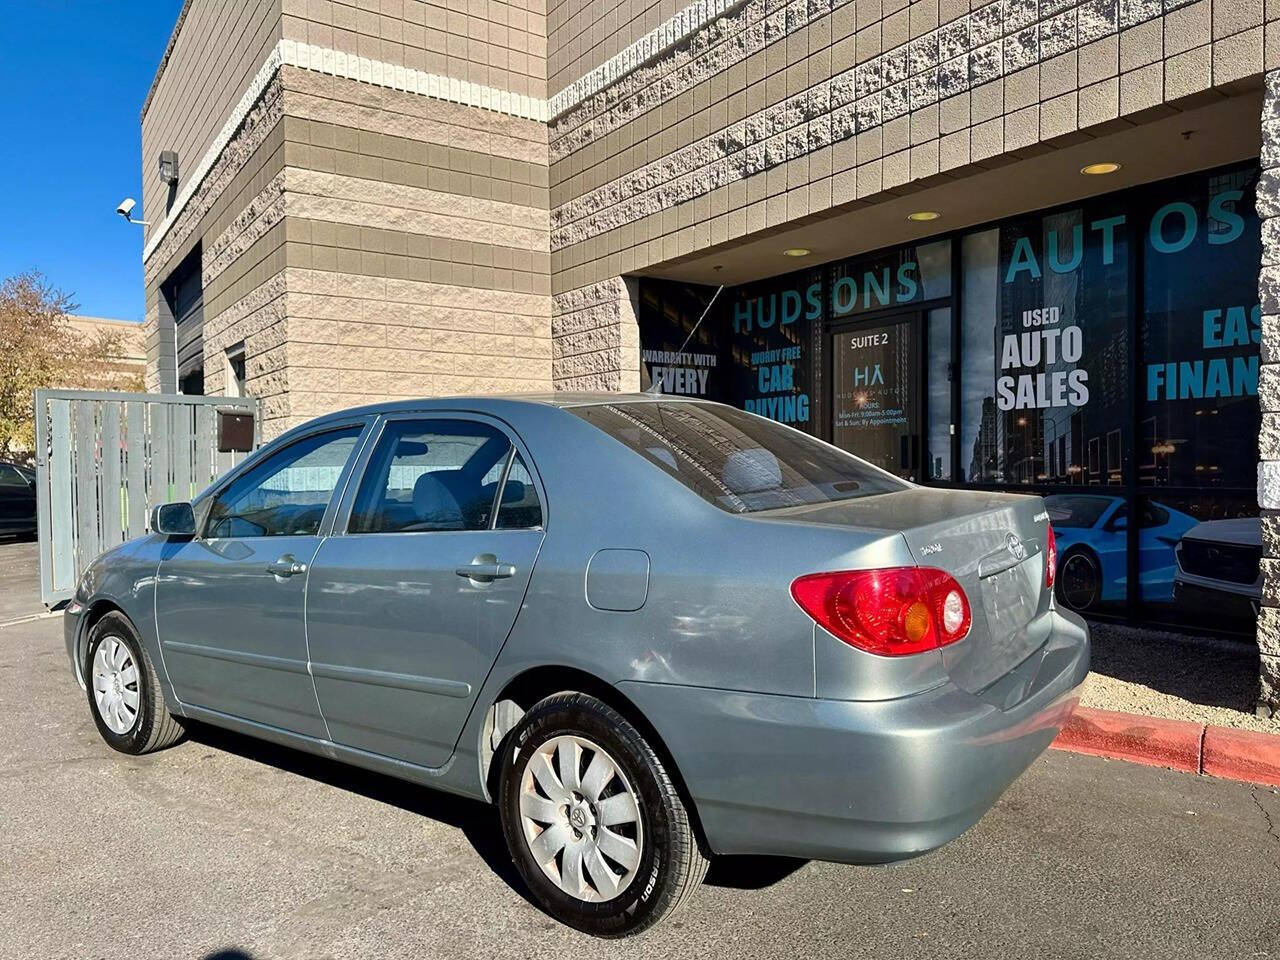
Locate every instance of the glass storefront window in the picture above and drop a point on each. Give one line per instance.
(1046, 313)
(1200, 329)
(1103, 355)
(896, 278)
(1197, 394)
(938, 381)
(874, 413)
(980, 441)
(772, 328)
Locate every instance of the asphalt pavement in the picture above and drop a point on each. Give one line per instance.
(225, 847)
(19, 579)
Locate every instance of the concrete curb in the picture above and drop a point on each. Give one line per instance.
(1178, 744)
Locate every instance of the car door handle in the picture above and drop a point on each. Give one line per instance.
(286, 566)
(487, 571)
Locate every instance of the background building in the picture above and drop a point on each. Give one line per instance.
(126, 370)
(1032, 236)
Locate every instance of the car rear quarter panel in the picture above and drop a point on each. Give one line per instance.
(717, 610)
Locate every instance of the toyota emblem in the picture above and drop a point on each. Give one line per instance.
(1015, 547)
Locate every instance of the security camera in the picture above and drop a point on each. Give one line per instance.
(126, 208)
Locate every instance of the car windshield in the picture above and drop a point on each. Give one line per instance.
(1070, 510)
(740, 462)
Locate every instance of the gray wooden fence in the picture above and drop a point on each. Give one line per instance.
(103, 460)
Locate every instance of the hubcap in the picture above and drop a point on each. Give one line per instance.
(115, 686)
(580, 818)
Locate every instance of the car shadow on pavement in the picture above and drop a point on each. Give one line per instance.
(751, 873)
(477, 821)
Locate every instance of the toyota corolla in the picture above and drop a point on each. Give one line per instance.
(649, 630)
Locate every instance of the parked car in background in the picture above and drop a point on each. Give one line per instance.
(648, 629)
(17, 500)
(1220, 568)
(1093, 531)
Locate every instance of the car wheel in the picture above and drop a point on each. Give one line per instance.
(593, 821)
(124, 691)
(1079, 580)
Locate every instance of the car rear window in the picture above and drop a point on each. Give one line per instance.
(740, 462)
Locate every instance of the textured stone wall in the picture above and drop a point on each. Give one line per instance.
(215, 49)
(596, 338)
(259, 320)
(780, 111)
(1269, 397)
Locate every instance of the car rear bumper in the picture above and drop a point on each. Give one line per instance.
(862, 782)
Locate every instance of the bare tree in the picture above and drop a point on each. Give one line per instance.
(39, 348)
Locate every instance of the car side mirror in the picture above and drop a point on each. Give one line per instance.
(1118, 524)
(174, 520)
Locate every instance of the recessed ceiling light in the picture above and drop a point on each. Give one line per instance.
(1098, 169)
(921, 216)
(796, 252)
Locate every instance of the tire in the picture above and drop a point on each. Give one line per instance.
(659, 863)
(1079, 580)
(131, 715)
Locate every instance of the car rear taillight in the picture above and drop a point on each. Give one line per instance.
(1050, 557)
(893, 611)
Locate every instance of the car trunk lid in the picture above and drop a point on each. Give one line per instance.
(992, 543)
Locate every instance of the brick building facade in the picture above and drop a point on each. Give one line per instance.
(393, 198)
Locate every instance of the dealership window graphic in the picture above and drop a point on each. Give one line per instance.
(1104, 355)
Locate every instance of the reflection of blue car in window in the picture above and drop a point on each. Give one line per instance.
(1092, 533)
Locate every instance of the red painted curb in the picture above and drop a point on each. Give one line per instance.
(1242, 755)
(1139, 739)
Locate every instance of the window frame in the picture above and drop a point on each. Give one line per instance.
(341, 526)
(204, 503)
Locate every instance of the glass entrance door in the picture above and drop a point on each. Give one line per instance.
(876, 393)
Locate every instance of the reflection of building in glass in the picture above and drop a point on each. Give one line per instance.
(985, 464)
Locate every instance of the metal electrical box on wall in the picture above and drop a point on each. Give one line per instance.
(235, 432)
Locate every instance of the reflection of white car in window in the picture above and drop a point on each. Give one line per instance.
(1218, 564)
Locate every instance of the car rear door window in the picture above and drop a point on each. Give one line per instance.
(740, 462)
(431, 475)
(285, 495)
(520, 508)
(10, 477)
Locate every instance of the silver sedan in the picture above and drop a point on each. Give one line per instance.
(649, 630)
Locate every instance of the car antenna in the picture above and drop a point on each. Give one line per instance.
(655, 388)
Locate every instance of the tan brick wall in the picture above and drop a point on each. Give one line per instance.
(356, 339)
(218, 47)
(582, 34)
(496, 43)
(374, 245)
(596, 338)
(778, 112)
(242, 247)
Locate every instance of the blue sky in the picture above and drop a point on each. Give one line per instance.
(74, 75)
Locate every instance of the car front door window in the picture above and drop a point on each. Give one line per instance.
(231, 604)
(287, 494)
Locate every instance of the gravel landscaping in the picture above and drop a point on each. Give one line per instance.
(1166, 674)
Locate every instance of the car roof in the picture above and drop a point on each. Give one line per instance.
(561, 399)
(493, 404)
